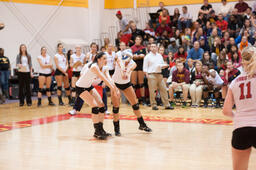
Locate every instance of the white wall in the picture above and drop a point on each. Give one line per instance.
(68, 22)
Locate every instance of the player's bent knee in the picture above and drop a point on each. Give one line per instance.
(136, 106)
(115, 110)
(95, 110)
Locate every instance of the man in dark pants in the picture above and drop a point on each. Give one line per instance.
(4, 73)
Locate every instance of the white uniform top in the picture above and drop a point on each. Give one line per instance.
(110, 60)
(24, 63)
(45, 60)
(76, 59)
(244, 92)
(215, 81)
(87, 77)
(117, 77)
(62, 61)
(90, 56)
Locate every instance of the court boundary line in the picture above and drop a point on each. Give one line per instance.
(58, 118)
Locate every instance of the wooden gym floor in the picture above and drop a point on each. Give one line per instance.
(34, 138)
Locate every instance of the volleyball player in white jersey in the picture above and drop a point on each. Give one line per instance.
(111, 57)
(242, 93)
(45, 75)
(61, 74)
(121, 77)
(77, 62)
(90, 95)
(93, 52)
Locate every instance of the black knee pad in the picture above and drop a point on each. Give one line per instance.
(59, 88)
(48, 90)
(95, 110)
(73, 89)
(68, 88)
(115, 110)
(141, 85)
(40, 90)
(136, 106)
(102, 109)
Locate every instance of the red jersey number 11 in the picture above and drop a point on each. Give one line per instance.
(249, 94)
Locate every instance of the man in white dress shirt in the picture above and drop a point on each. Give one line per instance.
(152, 67)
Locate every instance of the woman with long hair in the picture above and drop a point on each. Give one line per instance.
(242, 93)
(93, 52)
(197, 83)
(137, 75)
(88, 94)
(45, 76)
(77, 62)
(24, 64)
(121, 78)
(61, 74)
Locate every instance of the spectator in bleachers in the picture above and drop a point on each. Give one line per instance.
(216, 48)
(24, 64)
(135, 32)
(211, 39)
(236, 59)
(200, 19)
(248, 13)
(232, 25)
(230, 44)
(198, 34)
(247, 27)
(221, 23)
(206, 60)
(205, 9)
(161, 5)
(181, 54)
(203, 44)
(152, 66)
(241, 7)
(190, 65)
(161, 28)
(196, 53)
(212, 17)
(123, 23)
(225, 9)
(149, 31)
(164, 17)
(137, 76)
(243, 44)
(185, 19)
(197, 84)
(234, 49)
(5, 68)
(175, 18)
(180, 82)
(173, 47)
(239, 18)
(222, 60)
(229, 75)
(214, 83)
(186, 43)
(177, 36)
(164, 39)
(225, 39)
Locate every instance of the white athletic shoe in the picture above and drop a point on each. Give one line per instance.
(72, 112)
(107, 112)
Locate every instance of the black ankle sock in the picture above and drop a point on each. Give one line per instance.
(69, 98)
(49, 99)
(60, 99)
(116, 126)
(141, 121)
